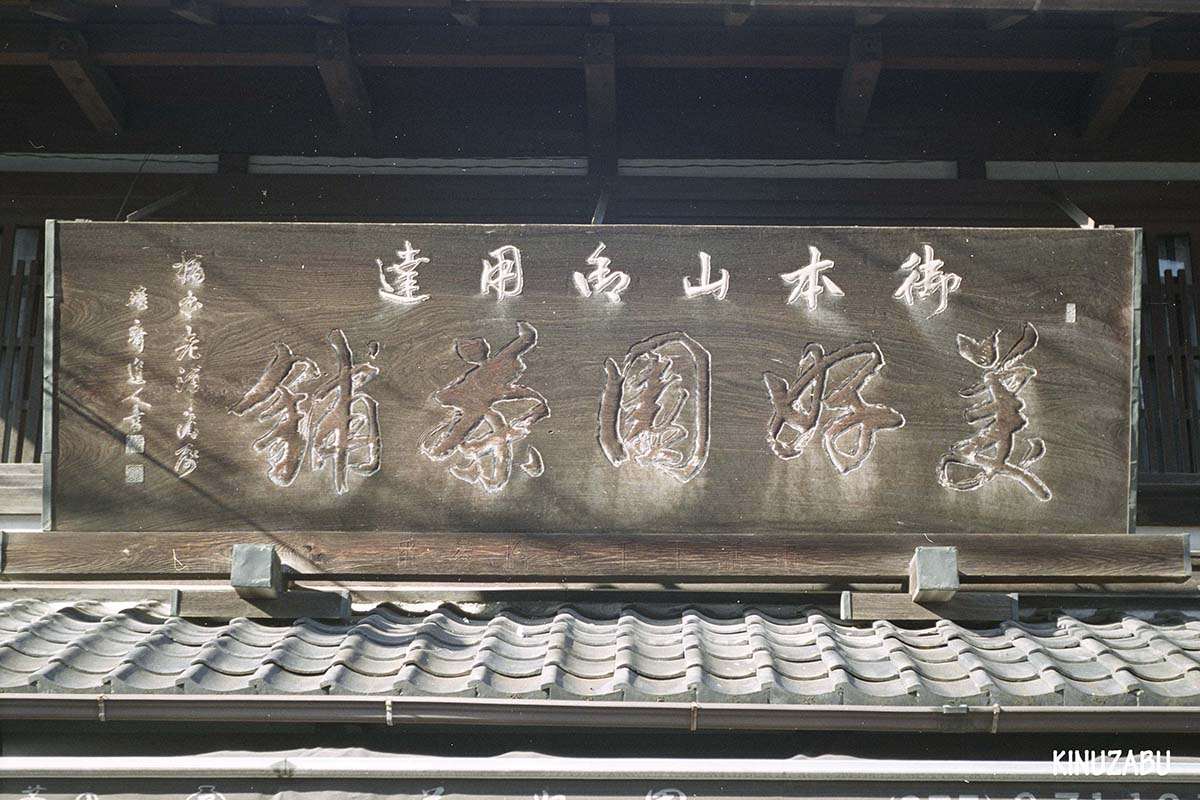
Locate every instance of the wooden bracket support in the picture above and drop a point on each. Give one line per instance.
(330, 12)
(869, 17)
(734, 16)
(90, 85)
(933, 574)
(464, 13)
(859, 80)
(600, 78)
(343, 83)
(1003, 20)
(964, 607)
(59, 11)
(200, 12)
(1115, 88)
(256, 571)
(1067, 206)
(600, 15)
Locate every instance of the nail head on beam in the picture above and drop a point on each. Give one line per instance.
(256, 571)
(933, 574)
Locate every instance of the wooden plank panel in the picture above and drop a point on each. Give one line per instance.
(727, 466)
(20, 488)
(31, 369)
(1167, 406)
(983, 558)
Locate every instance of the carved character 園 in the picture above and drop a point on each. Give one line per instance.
(654, 409)
(490, 413)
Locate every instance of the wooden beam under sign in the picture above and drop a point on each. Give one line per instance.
(89, 84)
(343, 83)
(600, 79)
(201, 12)
(1116, 87)
(983, 558)
(859, 79)
(965, 607)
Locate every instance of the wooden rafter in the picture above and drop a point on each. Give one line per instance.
(89, 84)
(1116, 87)
(859, 79)
(343, 83)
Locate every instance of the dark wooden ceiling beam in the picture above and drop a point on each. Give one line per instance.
(600, 80)
(200, 12)
(1116, 87)
(600, 15)
(859, 79)
(343, 83)
(89, 84)
(1039, 50)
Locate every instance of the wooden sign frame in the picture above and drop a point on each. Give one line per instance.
(747, 554)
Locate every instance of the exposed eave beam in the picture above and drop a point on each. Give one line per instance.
(600, 80)
(859, 79)
(600, 15)
(1137, 22)
(343, 83)
(1116, 87)
(89, 84)
(200, 12)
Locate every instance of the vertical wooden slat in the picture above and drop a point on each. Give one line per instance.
(33, 419)
(1166, 414)
(1189, 442)
(31, 377)
(8, 361)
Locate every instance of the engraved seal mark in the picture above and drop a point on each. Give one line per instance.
(655, 406)
(826, 396)
(490, 413)
(999, 415)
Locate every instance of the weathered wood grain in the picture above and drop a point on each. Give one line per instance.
(983, 558)
(20, 488)
(293, 283)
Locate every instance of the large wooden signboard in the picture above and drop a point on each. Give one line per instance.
(592, 379)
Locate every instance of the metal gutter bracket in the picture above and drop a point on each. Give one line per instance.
(256, 571)
(933, 574)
